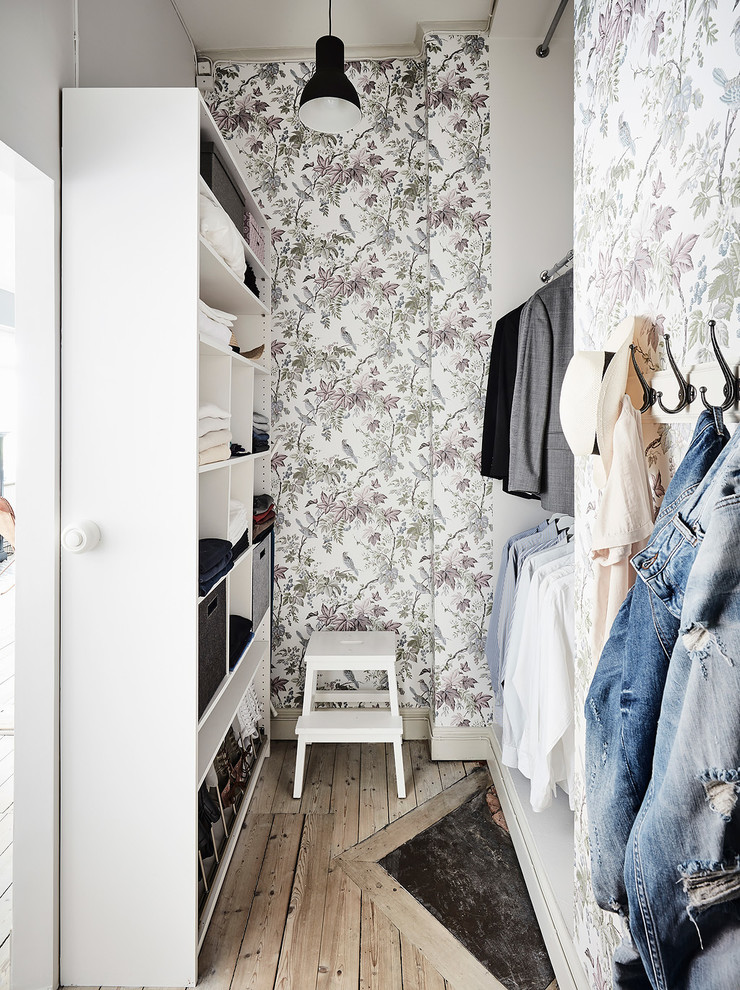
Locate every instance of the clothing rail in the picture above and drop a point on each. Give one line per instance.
(543, 50)
(548, 273)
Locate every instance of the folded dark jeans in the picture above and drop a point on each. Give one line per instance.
(206, 585)
(217, 568)
(211, 552)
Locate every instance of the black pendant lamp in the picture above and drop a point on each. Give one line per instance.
(329, 102)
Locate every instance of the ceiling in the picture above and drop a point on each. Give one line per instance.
(367, 27)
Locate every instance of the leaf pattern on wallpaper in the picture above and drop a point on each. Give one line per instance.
(354, 391)
(460, 329)
(657, 190)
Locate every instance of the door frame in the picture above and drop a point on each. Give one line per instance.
(35, 926)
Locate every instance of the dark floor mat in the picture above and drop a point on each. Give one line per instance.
(465, 872)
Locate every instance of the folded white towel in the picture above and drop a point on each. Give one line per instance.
(213, 439)
(210, 423)
(216, 314)
(219, 230)
(238, 520)
(217, 331)
(211, 409)
(220, 453)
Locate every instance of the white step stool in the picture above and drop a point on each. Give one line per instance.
(350, 651)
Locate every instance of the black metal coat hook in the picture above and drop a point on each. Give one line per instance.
(649, 394)
(686, 392)
(731, 388)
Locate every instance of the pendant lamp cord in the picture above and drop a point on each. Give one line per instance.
(329, 16)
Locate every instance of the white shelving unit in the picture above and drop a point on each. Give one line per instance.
(133, 749)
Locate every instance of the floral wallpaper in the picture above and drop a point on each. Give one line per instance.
(460, 329)
(657, 190)
(379, 332)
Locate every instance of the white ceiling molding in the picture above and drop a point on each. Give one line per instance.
(351, 52)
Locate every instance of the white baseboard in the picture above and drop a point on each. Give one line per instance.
(535, 863)
(416, 722)
(461, 742)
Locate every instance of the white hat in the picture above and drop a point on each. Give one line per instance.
(593, 386)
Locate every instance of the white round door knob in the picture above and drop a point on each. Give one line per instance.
(81, 536)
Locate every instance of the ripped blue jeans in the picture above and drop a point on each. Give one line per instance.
(682, 866)
(624, 699)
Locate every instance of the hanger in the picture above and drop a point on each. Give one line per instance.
(548, 273)
(731, 388)
(686, 392)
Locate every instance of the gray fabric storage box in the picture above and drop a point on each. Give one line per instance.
(261, 579)
(221, 185)
(212, 661)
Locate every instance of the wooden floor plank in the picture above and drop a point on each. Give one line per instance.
(260, 949)
(339, 958)
(264, 792)
(284, 803)
(418, 973)
(399, 806)
(299, 957)
(450, 771)
(345, 802)
(373, 789)
(427, 781)
(380, 950)
(220, 950)
(448, 956)
(316, 795)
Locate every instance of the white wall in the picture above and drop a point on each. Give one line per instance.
(531, 192)
(133, 43)
(38, 59)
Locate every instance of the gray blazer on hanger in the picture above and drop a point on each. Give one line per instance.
(540, 460)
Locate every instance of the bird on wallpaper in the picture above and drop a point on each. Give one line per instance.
(731, 95)
(351, 679)
(416, 248)
(587, 114)
(435, 273)
(303, 195)
(348, 451)
(433, 153)
(345, 335)
(346, 225)
(304, 307)
(350, 564)
(421, 702)
(306, 420)
(625, 134)
(307, 532)
(418, 134)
